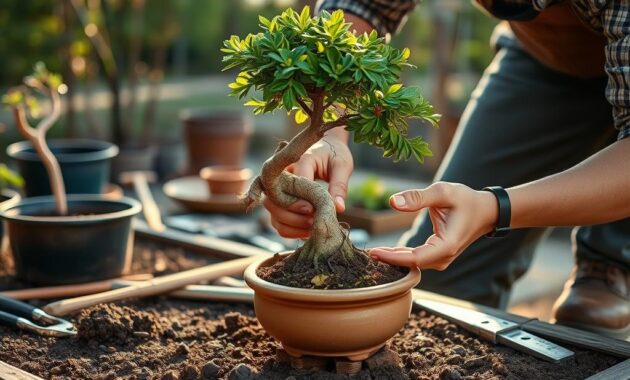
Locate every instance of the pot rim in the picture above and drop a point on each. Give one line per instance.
(13, 197)
(225, 173)
(269, 289)
(133, 208)
(103, 150)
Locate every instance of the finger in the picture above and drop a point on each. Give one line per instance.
(399, 248)
(290, 232)
(400, 257)
(340, 172)
(288, 217)
(301, 207)
(436, 195)
(305, 167)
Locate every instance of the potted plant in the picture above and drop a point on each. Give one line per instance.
(63, 239)
(325, 297)
(368, 208)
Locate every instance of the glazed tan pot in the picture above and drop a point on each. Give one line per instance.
(352, 323)
(226, 179)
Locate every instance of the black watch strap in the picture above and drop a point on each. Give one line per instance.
(505, 211)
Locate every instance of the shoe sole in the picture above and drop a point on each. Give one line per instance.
(623, 334)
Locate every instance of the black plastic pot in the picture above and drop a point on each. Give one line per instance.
(8, 198)
(93, 242)
(85, 165)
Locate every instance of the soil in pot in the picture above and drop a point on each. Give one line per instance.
(337, 274)
(164, 338)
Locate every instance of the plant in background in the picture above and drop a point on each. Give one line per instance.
(371, 195)
(23, 102)
(328, 77)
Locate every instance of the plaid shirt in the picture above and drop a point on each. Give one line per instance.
(609, 17)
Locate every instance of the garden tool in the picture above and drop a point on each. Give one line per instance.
(21, 315)
(73, 290)
(206, 292)
(150, 209)
(225, 228)
(159, 285)
(497, 330)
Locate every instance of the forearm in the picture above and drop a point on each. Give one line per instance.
(595, 191)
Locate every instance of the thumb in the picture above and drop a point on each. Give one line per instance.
(416, 199)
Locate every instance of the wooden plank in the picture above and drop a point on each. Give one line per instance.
(619, 371)
(562, 334)
(205, 245)
(9, 372)
(579, 338)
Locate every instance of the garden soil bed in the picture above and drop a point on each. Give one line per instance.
(164, 338)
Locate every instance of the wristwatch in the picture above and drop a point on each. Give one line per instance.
(502, 227)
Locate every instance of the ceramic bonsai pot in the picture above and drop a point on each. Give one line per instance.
(225, 179)
(352, 323)
(85, 165)
(93, 242)
(215, 138)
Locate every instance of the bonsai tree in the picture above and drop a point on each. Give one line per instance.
(328, 77)
(22, 100)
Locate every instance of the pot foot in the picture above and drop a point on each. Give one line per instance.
(344, 367)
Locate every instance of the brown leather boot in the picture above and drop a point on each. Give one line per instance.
(596, 298)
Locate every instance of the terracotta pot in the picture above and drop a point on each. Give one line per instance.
(352, 323)
(226, 179)
(215, 138)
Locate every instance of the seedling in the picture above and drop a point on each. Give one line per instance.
(328, 77)
(23, 102)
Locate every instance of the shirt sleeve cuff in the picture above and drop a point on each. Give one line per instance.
(358, 9)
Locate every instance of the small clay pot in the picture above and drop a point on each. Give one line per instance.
(92, 243)
(215, 138)
(225, 180)
(85, 165)
(352, 323)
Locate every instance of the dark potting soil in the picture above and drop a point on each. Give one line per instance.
(165, 338)
(337, 273)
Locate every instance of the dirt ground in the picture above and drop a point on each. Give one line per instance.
(165, 338)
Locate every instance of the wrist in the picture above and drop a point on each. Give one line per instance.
(489, 212)
(338, 134)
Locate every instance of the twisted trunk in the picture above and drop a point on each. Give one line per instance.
(328, 238)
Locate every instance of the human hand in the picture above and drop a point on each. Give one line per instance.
(459, 214)
(329, 160)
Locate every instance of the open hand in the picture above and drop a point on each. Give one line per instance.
(329, 160)
(459, 214)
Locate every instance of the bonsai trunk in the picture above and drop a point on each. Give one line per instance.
(328, 237)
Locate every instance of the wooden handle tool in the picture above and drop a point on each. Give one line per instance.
(159, 285)
(74, 290)
(215, 293)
